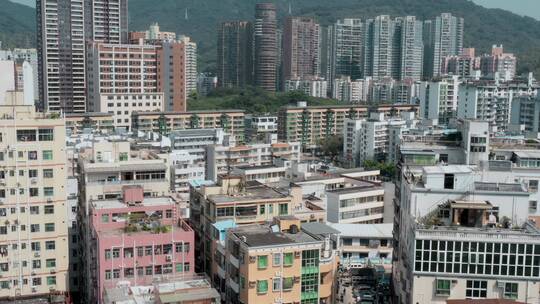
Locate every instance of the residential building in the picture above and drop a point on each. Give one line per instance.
(258, 128)
(291, 261)
(233, 202)
(235, 54)
(222, 159)
(104, 168)
(72, 209)
(363, 245)
(314, 87)
(231, 121)
(308, 125)
(190, 74)
(490, 101)
(362, 203)
(106, 21)
(379, 47)
(498, 61)
(443, 37)
(62, 79)
(266, 46)
(153, 33)
(525, 112)
(20, 56)
(195, 141)
(170, 289)
(409, 48)
(98, 122)
(370, 139)
(482, 234)
(300, 48)
(346, 43)
(439, 99)
(185, 167)
(136, 238)
(34, 242)
(206, 84)
(461, 65)
(350, 91)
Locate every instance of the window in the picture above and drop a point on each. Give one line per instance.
(48, 173)
(449, 181)
(288, 259)
(116, 253)
(107, 254)
(261, 209)
(36, 281)
(34, 209)
(32, 172)
(33, 193)
(511, 290)
(105, 218)
(276, 284)
(283, 209)
(179, 267)
(50, 263)
(34, 227)
(46, 134)
(26, 135)
(262, 262)
(476, 289)
(32, 155)
(47, 155)
(36, 246)
(443, 288)
(48, 191)
(288, 283)
(347, 242)
(4, 284)
(262, 286)
(276, 259)
(49, 227)
(48, 209)
(36, 264)
(50, 245)
(108, 274)
(123, 156)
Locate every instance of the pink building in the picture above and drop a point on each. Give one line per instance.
(137, 239)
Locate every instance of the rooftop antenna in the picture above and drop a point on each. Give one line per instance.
(290, 8)
(186, 14)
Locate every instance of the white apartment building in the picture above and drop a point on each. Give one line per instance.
(461, 232)
(362, 203)
(22, 55)
(190, 71)
(491, 101)
(365, 244)
(258, 127)
(122, 106)
(222, 159)
(34, 237)
(195, 141)
(439, 99)
(263, 174)
(311, 87)
(185, 167)
(350, 91)
(370, 139)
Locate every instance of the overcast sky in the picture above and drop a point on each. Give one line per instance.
(522, 7)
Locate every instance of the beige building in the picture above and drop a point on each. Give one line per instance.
(34, 256)
(310, 125)
(283, 262)
(100, 122)
(237, 202)
(231, 121)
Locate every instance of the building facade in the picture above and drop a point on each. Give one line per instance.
(235, 54)
(266, 47)
(300, 48)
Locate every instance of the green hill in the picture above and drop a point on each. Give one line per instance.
(17, 25)
(483, 27)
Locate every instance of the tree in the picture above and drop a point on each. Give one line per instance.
(387, 170)
(332, 146)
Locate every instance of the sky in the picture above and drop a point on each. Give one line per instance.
(529, 8)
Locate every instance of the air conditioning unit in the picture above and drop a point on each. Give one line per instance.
(297, 254)
(33, 273)
(36, 254)
(2, 181)
(34, 289)
(33, 181)
(53, 270)
(168, 257)
(1, 201)
(49, 200)
(501, 284)
(277, 274)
